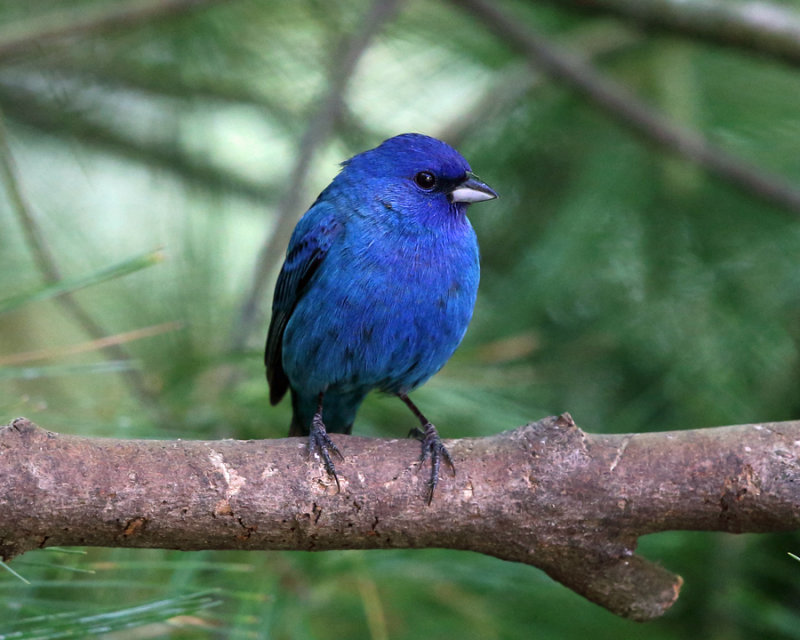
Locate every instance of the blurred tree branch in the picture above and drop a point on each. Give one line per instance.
(626, 107)
(43, 33)
(142, 78)
(319, 128)
(48, 267)
(517, 79)
(761, 27)
(547, 494)
(29, 108)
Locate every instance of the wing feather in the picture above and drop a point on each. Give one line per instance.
(309, 245)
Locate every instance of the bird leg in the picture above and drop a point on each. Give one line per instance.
(320, 442)
(432, 445)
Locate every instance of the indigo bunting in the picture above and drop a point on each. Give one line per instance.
(376, 290)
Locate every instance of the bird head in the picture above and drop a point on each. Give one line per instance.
(416, 176)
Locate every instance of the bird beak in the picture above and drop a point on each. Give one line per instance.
(472, 190)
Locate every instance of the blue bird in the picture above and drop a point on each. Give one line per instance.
(376, 291)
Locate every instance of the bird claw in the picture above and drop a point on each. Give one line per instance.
(433, 448)
(320, 442)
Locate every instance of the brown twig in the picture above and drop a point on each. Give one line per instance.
(319, 128)
(624, 106)
(92, 345)
(547, 494)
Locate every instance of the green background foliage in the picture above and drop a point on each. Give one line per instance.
(620, 283)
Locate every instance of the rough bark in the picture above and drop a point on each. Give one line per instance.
(547, 494)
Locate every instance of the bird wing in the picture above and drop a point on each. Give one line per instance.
(310, 242)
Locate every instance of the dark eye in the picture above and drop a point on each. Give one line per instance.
(425, 180)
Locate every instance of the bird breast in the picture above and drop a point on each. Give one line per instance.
(396, 306)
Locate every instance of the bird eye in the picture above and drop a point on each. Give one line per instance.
(425, 180)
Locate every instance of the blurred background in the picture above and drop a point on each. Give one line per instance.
(639, 271)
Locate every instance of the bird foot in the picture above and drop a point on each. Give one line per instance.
(319, 442)
(433, 448)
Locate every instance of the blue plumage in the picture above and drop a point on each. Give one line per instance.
(377, 288)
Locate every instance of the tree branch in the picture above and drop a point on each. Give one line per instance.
(547, 494)
(762, 27)
(44, 33)
(48, 267)
(624, 106)
(316, 134)
(66, 120)
(517, 80)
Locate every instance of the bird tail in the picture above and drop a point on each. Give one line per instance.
(339, 414)
(296, 428)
